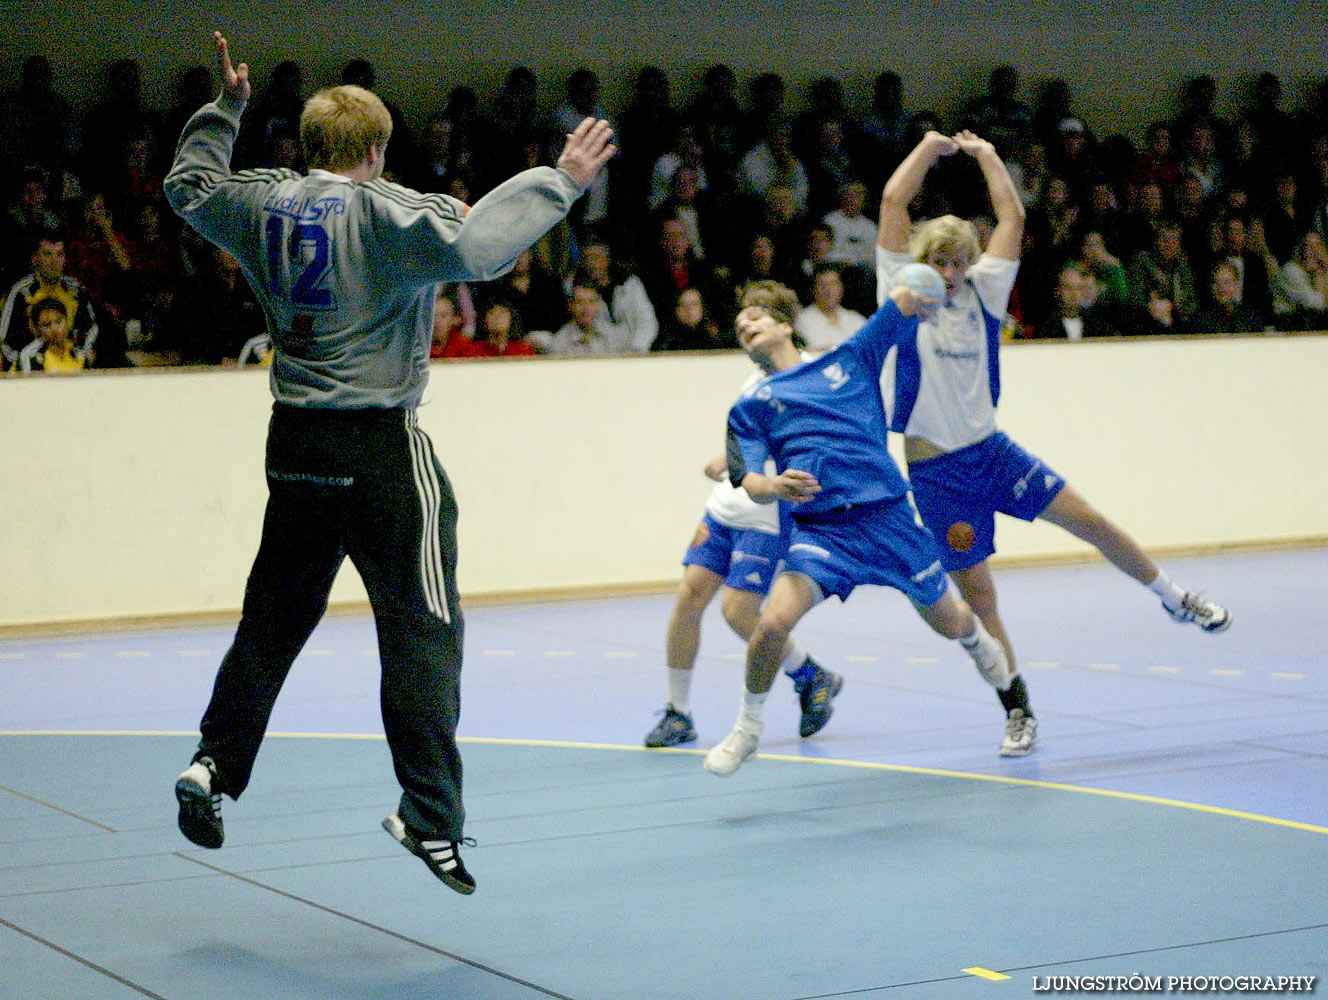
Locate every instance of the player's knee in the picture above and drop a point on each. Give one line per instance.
(949, 617)
(772, 628)
(741, 610)
(693, 597)
(955, 626)
(983, 603)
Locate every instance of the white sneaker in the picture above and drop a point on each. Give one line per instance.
(727, 756)
(1020, 734)
(1208, 615)
(989, 657)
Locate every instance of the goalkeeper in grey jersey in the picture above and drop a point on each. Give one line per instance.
(344, 264)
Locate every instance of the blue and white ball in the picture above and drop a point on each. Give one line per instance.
(925, 281)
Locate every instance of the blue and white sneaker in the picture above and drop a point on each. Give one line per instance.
(674, 728)
(815, 697)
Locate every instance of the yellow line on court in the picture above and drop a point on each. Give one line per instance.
(977, 970)
(996, 779)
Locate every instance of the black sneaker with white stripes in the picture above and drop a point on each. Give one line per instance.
(200, 804)
(442, 856)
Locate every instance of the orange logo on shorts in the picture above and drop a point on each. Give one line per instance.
(702, 535)
(960, 536)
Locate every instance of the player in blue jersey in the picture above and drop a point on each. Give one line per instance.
(943, 386)
(344, 264)
(854, 523)
(738, 547)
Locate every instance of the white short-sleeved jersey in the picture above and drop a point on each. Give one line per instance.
(731, 505)
(945, 390)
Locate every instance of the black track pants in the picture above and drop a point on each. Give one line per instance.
(363, 484)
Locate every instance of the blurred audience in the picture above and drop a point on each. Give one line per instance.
(1209, 224)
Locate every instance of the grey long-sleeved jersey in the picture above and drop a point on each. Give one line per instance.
(345, 271)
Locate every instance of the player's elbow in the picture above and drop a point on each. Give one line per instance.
(481, 263)
(175, 192)
(185, 192)
(893, 203)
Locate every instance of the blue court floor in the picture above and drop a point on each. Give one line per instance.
(1173, 820)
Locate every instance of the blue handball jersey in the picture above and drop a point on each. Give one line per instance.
(826, 417)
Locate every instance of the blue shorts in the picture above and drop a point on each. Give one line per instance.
(959, 493)
(881, 543)
(748, 560)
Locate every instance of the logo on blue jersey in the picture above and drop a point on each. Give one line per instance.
(837, 376)
(767, 394)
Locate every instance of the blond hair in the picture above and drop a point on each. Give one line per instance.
(946, 232)
(772, 297)
(339, 125)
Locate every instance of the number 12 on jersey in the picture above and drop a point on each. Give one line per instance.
(308, 248)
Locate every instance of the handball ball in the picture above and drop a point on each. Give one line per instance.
(923, 279)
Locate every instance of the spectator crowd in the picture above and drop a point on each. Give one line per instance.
(1211, 225)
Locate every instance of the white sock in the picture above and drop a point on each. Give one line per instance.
(1163, 587)
(751, 717)
(680, 689)
(795, 659)
(981, 639)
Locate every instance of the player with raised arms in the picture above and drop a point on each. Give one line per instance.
(344, 265)
(942, 387)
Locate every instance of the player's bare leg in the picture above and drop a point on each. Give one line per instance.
(1069, 510)
(978, 590)
(698, 588)
(791, 597)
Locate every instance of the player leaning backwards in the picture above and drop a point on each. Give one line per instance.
(946, 385)
(344, 264)
(823, 423)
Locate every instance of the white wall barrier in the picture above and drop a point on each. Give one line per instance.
(139, 494)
